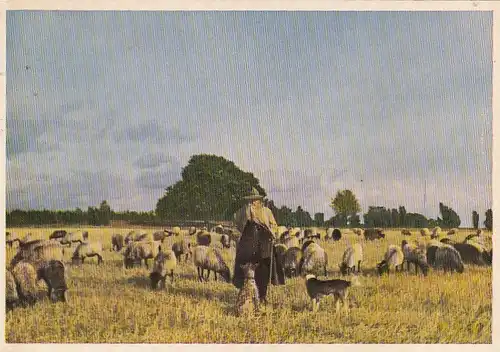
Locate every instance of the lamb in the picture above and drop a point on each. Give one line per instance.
(141, 250)
(374, 234)
(210, 259)
(415, 255)
(313, 258)
(291, 261)
(394, 257)
(248, 297)
(25, 276)
(471, 254)
(182, 247)
(163, 265)
(352, 255)
(406, 232)
(11, 296)
(87, 250)
(117, 242)
(448, 258)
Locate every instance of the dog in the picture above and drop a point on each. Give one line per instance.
(337, 288)
(248, 299)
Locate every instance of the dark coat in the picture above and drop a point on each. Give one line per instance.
(256, 246)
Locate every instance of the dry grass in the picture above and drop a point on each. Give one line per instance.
(108, 304)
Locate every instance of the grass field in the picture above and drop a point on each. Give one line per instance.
(108, 304)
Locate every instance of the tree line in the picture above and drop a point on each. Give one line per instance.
(212, 187)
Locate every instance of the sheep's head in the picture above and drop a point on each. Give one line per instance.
(226, 274)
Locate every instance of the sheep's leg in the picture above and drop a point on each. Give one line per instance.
(416, 268)
(83, 258)
(215, 275)
(172, 277)
(99, 259)
(208, 275)
(146, 263)
(359, 266)
(164, 282)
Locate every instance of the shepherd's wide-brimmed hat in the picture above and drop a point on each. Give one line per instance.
(254, 194)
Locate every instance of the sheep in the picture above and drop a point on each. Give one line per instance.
(38, 250)
(141, 250)
(358, 231)
(161, 235)
(406, 232)
(448, 258)
(217, 229)
(210, 258)
(10, 238)
(58, 234)
(333, 233)
(176, 230)
(11, 296)
(425, 232)
(191, 231)
(280, 250)
(203, 238)
(471, 254)
(311, 234)
(182, 247)
(393, 257)
(117, 242)
(78, 236)
(225, 241)
(87, 249)
(373, 234)
(415, 255)
(292, 241)
(234, 236)
(353, 255)
(248, 300)
(436, 232)
(143, 236)
(291, 261)
(53, 273)
(129, 237)
(452, 232)
(313, 257)
(25, 276)
(164, 264)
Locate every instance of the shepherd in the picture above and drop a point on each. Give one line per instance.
(256, 224)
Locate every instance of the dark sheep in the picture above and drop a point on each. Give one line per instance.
(336, 235)
(54, 274)
(203, 238)
(164, 264)
(161, 235)
(431, 255)
(58, 234)
(470, 254)
(291, 261)
(374, 234)
(117, 242)
(448, 259)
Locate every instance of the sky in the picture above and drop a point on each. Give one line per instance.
(112, 105)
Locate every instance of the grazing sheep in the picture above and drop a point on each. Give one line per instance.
(11, 296)
(182, 247)
(58, 234)
(425, 232)
(357, 231)
(373, 234)
(203, 238)
(393, 257)
(448, 258)
(73, 237)
(87, 249)
(53, 273)
(248, 300)
(291, 261)
(129, 237)
(161, 235)
(141, 250)
(25, 276)
(353, 255)
(406, 232)
(117, 242)
(164, 264)
(471, 254)
(210, 259)
(415, 255)
(38, 251)
(313, 258)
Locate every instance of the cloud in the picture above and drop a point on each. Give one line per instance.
(152, 132)
(153, 160)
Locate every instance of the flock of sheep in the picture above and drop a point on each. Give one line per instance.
(298, 250)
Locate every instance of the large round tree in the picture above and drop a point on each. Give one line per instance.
(211, 189)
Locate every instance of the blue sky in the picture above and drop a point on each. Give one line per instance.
(111, 105)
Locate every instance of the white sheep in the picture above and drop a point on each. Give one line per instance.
(210, 258)
(353, 255)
